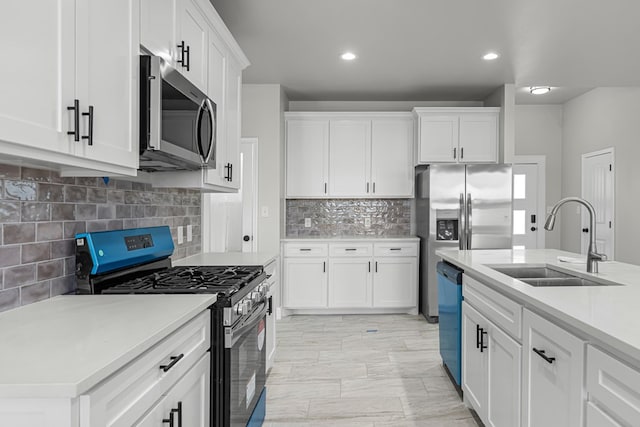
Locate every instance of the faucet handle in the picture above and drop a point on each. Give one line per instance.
(598, 257)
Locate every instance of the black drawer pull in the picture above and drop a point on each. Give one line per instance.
(174, 360)
(395, 249)
(305, 249)
(76, 120)
(89, 137)
(542, 354)
(350, 249)
(169, 420)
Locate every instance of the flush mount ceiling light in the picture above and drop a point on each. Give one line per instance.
(539, 90)
(490, 56)
(348, 56)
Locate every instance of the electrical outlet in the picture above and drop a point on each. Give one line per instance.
(189, 233)
(367, 222)
(307, 222)
(180, 235)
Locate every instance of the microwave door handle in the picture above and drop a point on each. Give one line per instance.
(198, 133)
(212, 140)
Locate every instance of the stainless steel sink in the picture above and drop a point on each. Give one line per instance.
(535, 275)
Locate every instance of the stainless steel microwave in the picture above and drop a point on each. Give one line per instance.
(177, 120)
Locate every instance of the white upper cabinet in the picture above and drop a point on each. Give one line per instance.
(107, 66)
(349, 157)
(457, 135)
(37, 93)
(307, 158)
(368, 155)
(192, 33)
(158, 28)
(81, 113)
(392, 172)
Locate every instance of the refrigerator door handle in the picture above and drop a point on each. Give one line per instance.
(469, 230)
(462, 239)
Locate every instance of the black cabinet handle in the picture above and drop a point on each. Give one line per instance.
(369, 266)
(542, 354)
(230, 171)
(585, 230)
(324, 266)
(178, 410)
(367, 187)
(376, 266)
(477, 336)
(374, 188)
(305, 249)
(325, 188)
(350, 249)
(462, 152)
(76, 120)
(169, 420)
(174, 360)
(395, 249)
(187, 53)
(454, 153)
(482, 345)
(270, 309)
(89, 137)
(181, 60)
(533, 228)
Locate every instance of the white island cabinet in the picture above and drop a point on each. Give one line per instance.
(572, 353)
(106, 360)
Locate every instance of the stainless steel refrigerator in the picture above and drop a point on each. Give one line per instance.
(459, 206)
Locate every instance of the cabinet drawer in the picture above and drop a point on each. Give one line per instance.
(306, 249)
(614, 385)
(129, 393)
(350, 249)
(499, 309)
(395, 249)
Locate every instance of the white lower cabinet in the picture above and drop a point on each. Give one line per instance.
(354, 275)
(186, 404)
(553, 374)
(394, 282)
(491, 367)
(306, 280)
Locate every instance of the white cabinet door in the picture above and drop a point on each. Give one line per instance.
(107, 75)
(395, 282)
(187, 403)
(438, 138)
(192, 30)
(553, 374)
(307, 158)
(392, 172)
(158, 28)
(474, 362)
(598, 418)
(232, 124)
(478, 139)
(305, 282)
(37, 79)
(349, 282)
(504, 367)
(349, 158)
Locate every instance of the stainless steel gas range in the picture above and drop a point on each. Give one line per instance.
(136, 261)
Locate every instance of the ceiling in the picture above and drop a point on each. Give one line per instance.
(431, 50)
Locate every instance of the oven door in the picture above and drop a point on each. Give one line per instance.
(245, 365)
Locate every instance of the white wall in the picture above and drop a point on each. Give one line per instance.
(601, 118)
(262, 117)
(538, 131)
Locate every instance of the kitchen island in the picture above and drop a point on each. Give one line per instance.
(549, 355)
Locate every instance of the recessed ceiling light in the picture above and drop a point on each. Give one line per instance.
(348, 56)
(539, 90)
(490, 56)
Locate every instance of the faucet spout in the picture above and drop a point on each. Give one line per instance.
(592, 253)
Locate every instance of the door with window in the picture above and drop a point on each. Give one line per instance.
(598, 176)
(527, 223)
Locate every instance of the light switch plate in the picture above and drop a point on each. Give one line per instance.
(189, 233)
(307, 222)
(180, 235)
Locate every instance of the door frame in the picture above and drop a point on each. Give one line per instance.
(612, 151)
(541, 162)
(252, 144)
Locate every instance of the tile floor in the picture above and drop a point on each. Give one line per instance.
(361, 370)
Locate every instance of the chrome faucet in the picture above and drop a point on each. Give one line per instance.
(592, 253)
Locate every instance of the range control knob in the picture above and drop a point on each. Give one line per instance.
(239, 308)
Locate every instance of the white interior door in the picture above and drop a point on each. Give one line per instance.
(528, 222)
(598, 177)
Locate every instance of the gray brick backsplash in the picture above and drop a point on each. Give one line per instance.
(35, 293)
(20, 190)
(9, 255)
(9, 211)
(346, 217)
(18, 233)
(20, 275)
(41, 213)
(48, 231)
(36, 252)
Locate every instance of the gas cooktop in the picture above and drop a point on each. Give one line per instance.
(190, 280)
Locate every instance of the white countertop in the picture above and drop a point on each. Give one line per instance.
(64, 346)
(350, 238)
(228, 258)
(608, 314)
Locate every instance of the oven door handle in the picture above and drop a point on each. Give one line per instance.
(231, 335)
